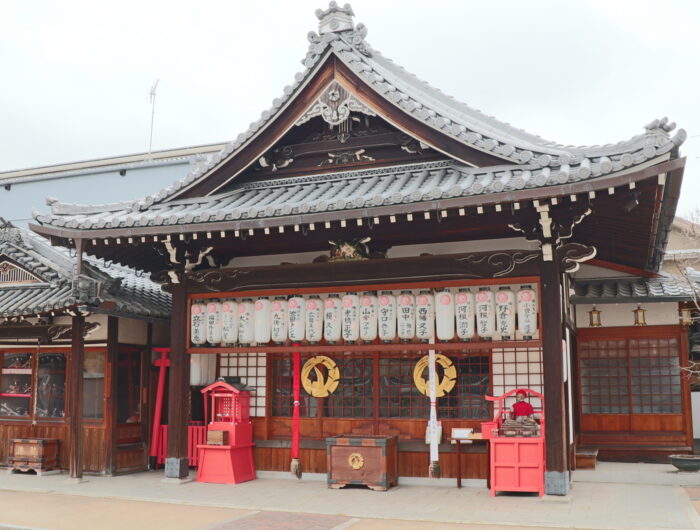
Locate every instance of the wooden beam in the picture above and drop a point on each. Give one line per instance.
(557, 474)
(75, 399)
(110, 391)
(176, 462)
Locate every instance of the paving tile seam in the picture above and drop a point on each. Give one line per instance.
(232, 519)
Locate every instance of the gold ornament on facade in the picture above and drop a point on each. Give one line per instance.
(323, 384)
(442, 386)
(356, 461)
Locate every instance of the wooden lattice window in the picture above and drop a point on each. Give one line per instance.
(11, 274)
(354, 397)
(251, 368)
(639, 376)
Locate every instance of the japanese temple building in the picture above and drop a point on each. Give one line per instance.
(75, 348)
(346, 226)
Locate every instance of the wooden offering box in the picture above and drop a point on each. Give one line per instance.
(38, 454)
(371, 461)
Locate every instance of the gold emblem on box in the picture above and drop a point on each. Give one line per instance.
(356, 461)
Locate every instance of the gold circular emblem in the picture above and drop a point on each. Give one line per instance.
(356, 461)
(323, 384)
(443, 386)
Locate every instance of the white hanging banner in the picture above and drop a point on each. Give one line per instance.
(198, 332)
(202, 369)
(505, 313)
(314, 319)
(444, 315)
(485, 314)
(246, 322)
(296, 318)
(278, 320)
(351, 317)
(425, 316)
(527, 312)
(263, 320)
(229, 322)
(464, 314)
(406, 316)
(213, 322)
(331, 319)
(368, 317)
(386, 317)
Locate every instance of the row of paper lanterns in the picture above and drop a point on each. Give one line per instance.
(351, 317)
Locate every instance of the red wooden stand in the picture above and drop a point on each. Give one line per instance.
(231, 463)
(517, 463)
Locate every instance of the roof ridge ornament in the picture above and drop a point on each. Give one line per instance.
(335, 19)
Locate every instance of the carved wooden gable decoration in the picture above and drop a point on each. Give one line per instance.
(12, 274)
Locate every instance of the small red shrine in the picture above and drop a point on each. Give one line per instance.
(227, 457)
(517, 460)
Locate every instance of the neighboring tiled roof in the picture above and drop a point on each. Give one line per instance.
(128, 293)
(628, 290)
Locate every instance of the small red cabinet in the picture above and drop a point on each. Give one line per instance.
(517, 463)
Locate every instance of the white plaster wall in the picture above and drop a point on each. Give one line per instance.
(611, 315)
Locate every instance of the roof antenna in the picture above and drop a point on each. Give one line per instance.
(152, 101)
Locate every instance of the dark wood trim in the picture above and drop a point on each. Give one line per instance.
(625, 332)
(438, 271)
(110, 405)
(554, 399)
(621, 268)
(75, 399)
(146, 394)
(179, 386)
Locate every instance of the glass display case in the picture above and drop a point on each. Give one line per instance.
(33, 382)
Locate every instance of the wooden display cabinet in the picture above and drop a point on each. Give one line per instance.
(371, 461)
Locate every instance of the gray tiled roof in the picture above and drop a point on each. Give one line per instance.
(632, 290)
(129, 293)
(532, 161)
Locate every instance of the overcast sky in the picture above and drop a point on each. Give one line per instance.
(76, 74)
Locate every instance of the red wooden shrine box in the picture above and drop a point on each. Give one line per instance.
(227, 408)
(517, 462)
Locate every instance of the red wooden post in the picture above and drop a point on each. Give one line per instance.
(162, 365)
(296, 378)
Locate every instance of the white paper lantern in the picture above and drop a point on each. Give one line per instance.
(505, 313)
(527, 312)
(198, 325)
(368, 317)
(263, 320)
(485, 314)
(386, 316)
(246, 322)
(296, 319)
(331, 319)
(350, 317)
(229, 322)
(444, 315)
(425, 316)
(464, 314)
(278, 320)
(406, 316)
(202, 369)
(213, 322)
(314, 319)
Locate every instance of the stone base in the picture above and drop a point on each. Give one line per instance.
(556, 482)
(178, 468)
(75, 480)
(176, 480)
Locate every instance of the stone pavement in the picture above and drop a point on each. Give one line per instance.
(614, 496)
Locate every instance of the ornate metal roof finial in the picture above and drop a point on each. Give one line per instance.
(335, 19)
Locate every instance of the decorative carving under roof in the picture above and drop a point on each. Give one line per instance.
(8, 232)
(12, 274)
(334, 105)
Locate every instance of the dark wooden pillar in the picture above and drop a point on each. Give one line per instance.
(176, 463)
(111, 373)
(557, 475)
(75, 399)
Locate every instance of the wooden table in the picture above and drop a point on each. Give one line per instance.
(458, 442)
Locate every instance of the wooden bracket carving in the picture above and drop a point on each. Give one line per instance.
(571, 255)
